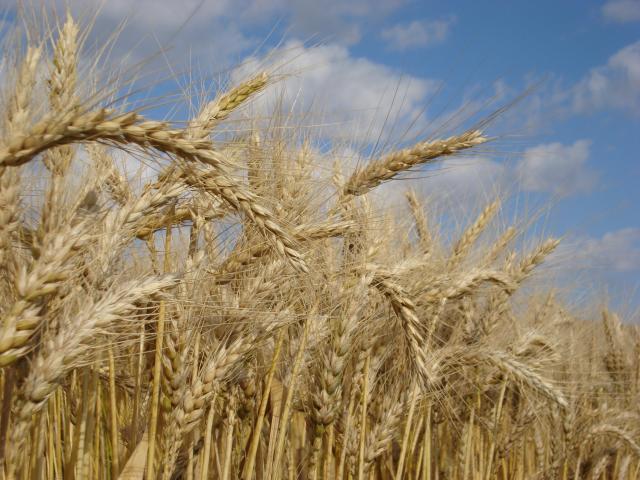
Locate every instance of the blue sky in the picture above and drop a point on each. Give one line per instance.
(571, 144)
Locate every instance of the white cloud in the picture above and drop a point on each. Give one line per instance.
(138, 31)
(614, 85)
(418, 33)
(617, 251)
(215, 30)
(336, 21)
(556, 168)
(622, 11)
(474, 178)
(343, 96)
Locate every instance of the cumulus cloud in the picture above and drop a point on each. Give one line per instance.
(473, 178)
(418, 33)
(617, 251)
(614, 85)
(217, 32)
(336, 21)
(556, 168)
(181, 30)
(343, 95)
(622, 11)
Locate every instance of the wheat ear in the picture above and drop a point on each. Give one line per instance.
(327, 401)
(18, 113)
(456, 288)
(219, 109)
(367, 178)
(523, 373)
(196, 398)
(246, 202)
(128, 129)
(301, 233)
(526, 266)
(384, 431)
(405, 309)
(615, 360)
(471, 234)
(62, 81)
(420, 221)
(62, 95)
(499, 246)
(61, 353)
(48, 273)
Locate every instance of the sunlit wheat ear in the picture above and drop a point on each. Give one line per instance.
(191, 407)
(535, 258)
(471, 234)
(15, 123)
(386, 168)
(19, 102)
(405, 309)
(174, 379)
(34, 284)
(383, 432)
(420, 221)
(327, 396)
(241, 258)
(61, 353)
(247, 203)
(615, 360)
(62, 93)
(219, 109)
(62, 80)
(327, 400)
(117, 184)
(62, 97)
(500, 245)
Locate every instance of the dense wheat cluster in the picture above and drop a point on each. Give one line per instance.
(244, 310)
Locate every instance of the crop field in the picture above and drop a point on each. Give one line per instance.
(183, 299)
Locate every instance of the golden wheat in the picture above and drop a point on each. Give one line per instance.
(247, 314)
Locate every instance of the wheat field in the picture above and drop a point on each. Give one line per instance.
(244, 309)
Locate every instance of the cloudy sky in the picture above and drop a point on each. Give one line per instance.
(398, 70)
